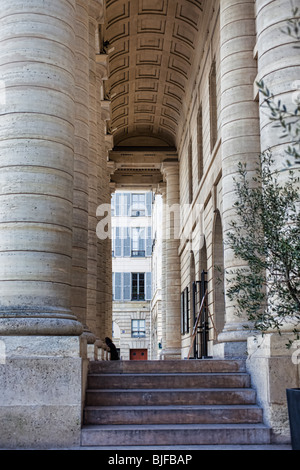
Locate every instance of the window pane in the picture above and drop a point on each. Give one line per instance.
(138, 328)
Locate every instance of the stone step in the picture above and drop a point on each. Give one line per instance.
(141, 397)
(180, 434)
(170, 380)
(194, 414)
(174, 366)
(171, 403)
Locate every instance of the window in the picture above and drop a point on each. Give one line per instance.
(132, 286)
(185, 311)
(190, 164)
(138, 328)
(200, 143)
(138, 205)
(213, 106)
(138, 242)
(138, 286)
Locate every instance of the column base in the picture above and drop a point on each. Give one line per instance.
(39, 326)
(230, 350)
(41, 382)
(169, 354)
(274, 368)
(232, 342)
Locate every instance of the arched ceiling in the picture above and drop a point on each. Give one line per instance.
(151, 49)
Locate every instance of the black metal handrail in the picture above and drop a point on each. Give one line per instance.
(198, 320)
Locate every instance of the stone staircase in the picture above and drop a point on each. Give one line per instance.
(171, 403)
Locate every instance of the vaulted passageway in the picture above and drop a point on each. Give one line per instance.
(97, 95)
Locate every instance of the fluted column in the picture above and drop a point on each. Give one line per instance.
(172, 346)
(37, 67)
(240, 135)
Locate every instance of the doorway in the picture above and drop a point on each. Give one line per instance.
(138, 354)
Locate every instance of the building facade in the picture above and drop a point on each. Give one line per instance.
(131, 271)
(143, 95)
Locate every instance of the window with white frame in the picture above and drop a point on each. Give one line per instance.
(138, 328)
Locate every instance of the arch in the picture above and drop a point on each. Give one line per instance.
(161, 30)
(116, 332)
(218, 274)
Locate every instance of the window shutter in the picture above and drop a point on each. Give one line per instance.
(148, 286)
(149, 242)
(118, 286)
(126, 286)
(148, 204)
(126, 203)
(118, 204)
(126, 242)
(118, 243)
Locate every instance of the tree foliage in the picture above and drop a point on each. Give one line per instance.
(266, 236)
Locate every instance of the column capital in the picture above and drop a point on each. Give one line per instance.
(169, 168)
(97, 10)
(161, 189)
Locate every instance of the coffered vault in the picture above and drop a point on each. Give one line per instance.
(152, 45)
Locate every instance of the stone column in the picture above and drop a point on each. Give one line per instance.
(172, 346)
(92, 176)
(37, 149)
(273, 367)
(81, 155)
(40, 382)
(162, 191)
(240, 137)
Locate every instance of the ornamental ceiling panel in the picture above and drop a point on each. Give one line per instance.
(151, 49)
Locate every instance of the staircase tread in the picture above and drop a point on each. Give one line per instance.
(166, 374)
(171, 407)
(165, 390)
(174, 427)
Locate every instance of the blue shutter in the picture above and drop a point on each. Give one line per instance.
(118, 204)
(118, 286)
(126, 242)
(126, 204)
(148, 204)
(118, 242)
(148, 286)
(126, 286)
(149, 242)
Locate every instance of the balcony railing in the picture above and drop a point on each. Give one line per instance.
(138, 253)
